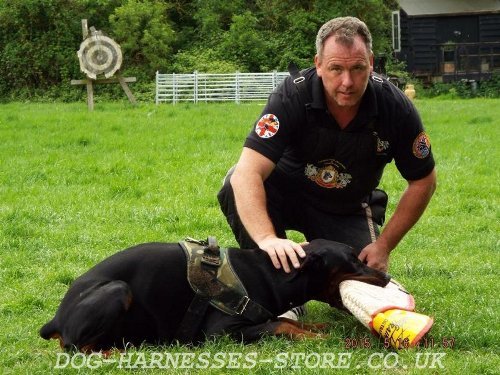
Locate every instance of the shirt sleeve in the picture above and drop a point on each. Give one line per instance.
(271, 133)
(413, 154)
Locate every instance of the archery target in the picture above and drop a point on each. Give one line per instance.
(99, 54)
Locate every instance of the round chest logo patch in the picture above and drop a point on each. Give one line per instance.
(422, 146)
(267, 126)
(328, 174)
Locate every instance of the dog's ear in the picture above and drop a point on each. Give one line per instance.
(91, 320)
(311, 262)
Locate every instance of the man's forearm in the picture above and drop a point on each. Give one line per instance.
(250, 198)
(247, 182)
(409, 209)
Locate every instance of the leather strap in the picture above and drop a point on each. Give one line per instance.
(300, 82)
(192, 319)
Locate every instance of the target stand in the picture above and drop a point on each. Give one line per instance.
(99, 54)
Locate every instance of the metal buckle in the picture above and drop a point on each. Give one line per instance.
(211, 253)
(211, 260)
(242, 305)
(299, 79)
(198, 242)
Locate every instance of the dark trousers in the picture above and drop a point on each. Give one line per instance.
(288, 210)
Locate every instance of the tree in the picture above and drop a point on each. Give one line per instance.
(144, 33)
(214, 17)
(299, 40)
(37, 44)
(39, 38)
(243, 44)
(375, 13)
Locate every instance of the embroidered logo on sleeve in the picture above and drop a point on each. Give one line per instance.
(422, 146)
(382, 146)
(267, 126)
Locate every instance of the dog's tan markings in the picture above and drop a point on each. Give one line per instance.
(129, 301)
(87, 349)
(108, 353)
(57, 336)
(294, 332)
(314, 327)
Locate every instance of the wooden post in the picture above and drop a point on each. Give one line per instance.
(118, 79)
(85, 29)
(90, 95)
(90, 88)
(125, 88)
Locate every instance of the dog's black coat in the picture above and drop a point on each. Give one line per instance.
(140, 295)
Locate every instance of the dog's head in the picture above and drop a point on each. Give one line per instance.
(88, 315)
(340, 263)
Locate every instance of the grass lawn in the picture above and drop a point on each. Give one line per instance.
(76, 187)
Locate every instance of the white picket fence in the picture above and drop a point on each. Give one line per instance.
(204, 87)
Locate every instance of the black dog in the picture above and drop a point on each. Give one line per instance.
(140, 295)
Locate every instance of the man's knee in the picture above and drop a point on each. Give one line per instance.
(378, 204)
(226, 195)
(228, 207)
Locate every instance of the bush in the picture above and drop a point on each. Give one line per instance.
(490, 88)
(205, 60)
(465, 89)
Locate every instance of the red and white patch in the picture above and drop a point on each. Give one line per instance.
(422, 146)
(267, 126)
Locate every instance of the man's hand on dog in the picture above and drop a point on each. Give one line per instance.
(375, 256)
(280, 250)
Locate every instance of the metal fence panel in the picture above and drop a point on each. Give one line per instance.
(204, 87)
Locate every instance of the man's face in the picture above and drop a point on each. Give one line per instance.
(345, 71)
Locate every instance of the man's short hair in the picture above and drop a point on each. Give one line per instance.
(345, 29)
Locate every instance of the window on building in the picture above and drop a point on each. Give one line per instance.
(396, 31)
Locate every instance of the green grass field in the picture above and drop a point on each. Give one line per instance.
(76, 187)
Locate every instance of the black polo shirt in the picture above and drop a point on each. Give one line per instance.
(336, 169)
